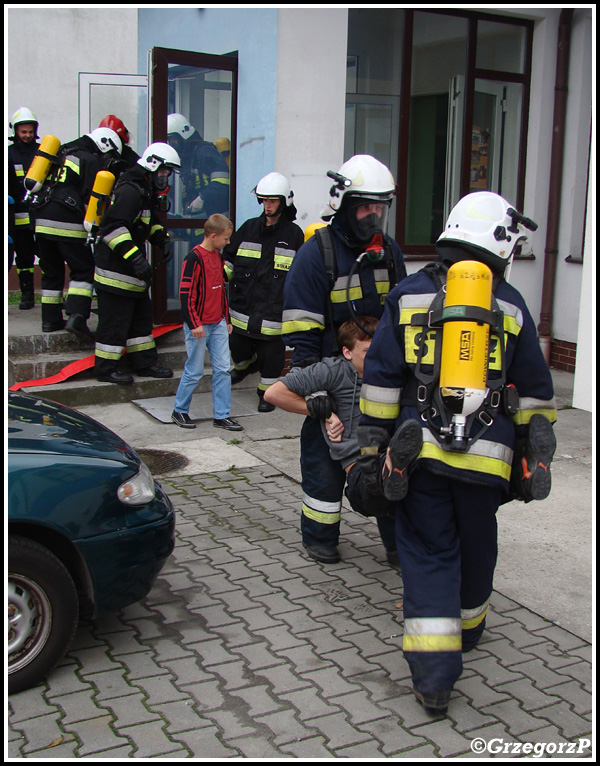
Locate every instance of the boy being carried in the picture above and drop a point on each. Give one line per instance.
(330, 390)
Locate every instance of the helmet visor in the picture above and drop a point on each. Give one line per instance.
(368, 217)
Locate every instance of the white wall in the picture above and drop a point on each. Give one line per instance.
(311, 95)
(47, 47)
(584, 391)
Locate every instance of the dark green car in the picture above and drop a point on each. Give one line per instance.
(89, 529)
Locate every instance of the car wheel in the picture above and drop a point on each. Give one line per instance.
(43, 611)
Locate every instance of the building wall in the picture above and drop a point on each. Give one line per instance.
(311, 88)
(48, 47)
(253, 34)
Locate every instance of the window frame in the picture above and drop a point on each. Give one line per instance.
(427, 252)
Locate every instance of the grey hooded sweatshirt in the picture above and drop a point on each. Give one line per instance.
(341, 380)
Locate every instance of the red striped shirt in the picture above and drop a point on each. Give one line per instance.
(202, 288)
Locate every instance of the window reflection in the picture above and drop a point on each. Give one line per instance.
(199, 121)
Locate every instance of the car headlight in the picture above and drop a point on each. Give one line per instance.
(139, 489)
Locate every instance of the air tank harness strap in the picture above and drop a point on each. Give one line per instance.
(422, 392)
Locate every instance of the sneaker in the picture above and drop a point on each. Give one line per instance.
(405, 446)
(435, 703)
(535, 463)
(326, 554)
(227, 423)
(182, 419)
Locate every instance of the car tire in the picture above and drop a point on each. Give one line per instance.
(43, 612)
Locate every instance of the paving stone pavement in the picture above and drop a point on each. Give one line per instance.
(247, 649)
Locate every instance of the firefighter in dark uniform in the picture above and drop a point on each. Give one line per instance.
(344, 271)
(123, 274)
(257, 262)
(446, 525)
(60, 234)
(128, 156)
(204, 171)
(24, 126)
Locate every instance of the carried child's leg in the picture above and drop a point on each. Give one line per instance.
(404, 447)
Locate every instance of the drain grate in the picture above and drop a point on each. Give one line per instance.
(160, 462)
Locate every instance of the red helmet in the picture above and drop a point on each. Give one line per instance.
(114, 123)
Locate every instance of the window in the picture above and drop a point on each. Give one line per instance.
(442, 98)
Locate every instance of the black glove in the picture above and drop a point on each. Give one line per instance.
(320, 405)
(141, 268)
(167, 248)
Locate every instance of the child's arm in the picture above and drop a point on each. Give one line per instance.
(281, 396)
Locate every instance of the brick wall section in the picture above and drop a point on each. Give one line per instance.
(562, 355)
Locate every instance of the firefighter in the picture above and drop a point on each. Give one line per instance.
(342, 272)
(257, 262)
(204, 171)
(446, 530)
(24, 127)
(128, 156)
(60, 233)
(123, 275)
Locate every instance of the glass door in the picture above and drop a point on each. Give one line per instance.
(202, 90)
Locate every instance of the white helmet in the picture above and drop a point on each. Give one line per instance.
(274, 185)
(106, 140)
(487, 227)
(361, 176)
(177, 123)
(21, 116)
(158, 154)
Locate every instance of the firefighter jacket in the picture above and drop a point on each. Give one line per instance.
(61, 204)
(204, 171)
(389, 377)
(316, 303)
(20, 157)
(127, 225)
(257, 262)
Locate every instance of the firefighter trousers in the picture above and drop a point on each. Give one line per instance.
(267, 356)
(53, 254)
(446, 534)
(323, 482)
(124, 324)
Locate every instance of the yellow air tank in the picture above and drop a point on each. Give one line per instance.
(465, 344)
(41, 164)
(99, 199)
(311, 228)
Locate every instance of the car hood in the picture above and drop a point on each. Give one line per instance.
(39, 425)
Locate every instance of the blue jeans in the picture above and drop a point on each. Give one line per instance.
(216, 339)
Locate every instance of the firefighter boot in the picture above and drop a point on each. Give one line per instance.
(405, 446)
(77, 325)
(434, 703)
(533, 471)
(27, 294)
